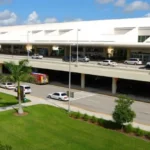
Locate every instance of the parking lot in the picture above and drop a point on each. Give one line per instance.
(91, 101)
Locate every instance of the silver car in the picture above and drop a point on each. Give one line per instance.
(81, 58)
(37, 56)
(133, 61)
(7, 85)
(107, 62)
(58, 96)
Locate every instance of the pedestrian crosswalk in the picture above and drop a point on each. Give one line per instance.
(82, 94)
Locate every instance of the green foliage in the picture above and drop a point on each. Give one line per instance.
(93, 119)
(85, 117)
(123, 112)
(29, 78)
(8, 100)
(72, 114)
(139, 132)
(148, 135)
(101, 121)
(5, 147)
(19, 71)
(128, 128)
(78, 115)
(52, 129)
(111, 125)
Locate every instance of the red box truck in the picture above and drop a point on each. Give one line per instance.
(40, 78)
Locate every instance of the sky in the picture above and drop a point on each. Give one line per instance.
(14, 12)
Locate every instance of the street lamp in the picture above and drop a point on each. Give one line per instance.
(69, 79)
(29, 46)
(77, 47)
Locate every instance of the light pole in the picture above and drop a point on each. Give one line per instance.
(69, 79)
(28, 45)
(77, 47)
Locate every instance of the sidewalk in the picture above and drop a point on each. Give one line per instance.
(64, 105)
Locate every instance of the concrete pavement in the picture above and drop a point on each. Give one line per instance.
(64, 105)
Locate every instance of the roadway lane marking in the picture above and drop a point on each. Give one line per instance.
(81, 95)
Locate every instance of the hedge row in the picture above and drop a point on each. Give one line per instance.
(110, 124)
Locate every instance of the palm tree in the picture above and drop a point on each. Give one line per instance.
(18, 72)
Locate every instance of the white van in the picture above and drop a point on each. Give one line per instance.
(26, 88)
(133, 61)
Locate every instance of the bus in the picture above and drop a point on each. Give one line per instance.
(40, 78)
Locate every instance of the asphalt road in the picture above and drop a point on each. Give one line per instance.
(94, 102)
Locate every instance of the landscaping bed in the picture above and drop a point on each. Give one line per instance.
(108, 124)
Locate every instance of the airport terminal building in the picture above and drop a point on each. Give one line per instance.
(117, 38)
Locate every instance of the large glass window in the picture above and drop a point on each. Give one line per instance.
(143, 38)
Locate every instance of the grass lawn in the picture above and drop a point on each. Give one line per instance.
(50, 128)
(7, 100)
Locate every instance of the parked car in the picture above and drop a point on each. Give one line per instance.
(147, 66)
(133, 61)
(58, 96)
(67, 58)
(26, 88)
(8, 85)
(80, 58)
(37, 56)
(107, 63)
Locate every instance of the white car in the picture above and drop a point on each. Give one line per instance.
(37, 56)
(133, 61)
(26, 89)
(58, 96)
(8, 85)
(107, 63)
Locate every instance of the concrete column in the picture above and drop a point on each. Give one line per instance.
(84, 51)
(1, 69)
(114, 85)
(82, 81)
(12, 49)
(65, 51)
(128, 53)
(49, 50)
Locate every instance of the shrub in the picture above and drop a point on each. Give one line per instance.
(100, 121)
(139, 132)
(111, 125)
(93, 119)
(128, 128)
(123, 112)
(85, 117)
(78, 115)
(72, 114)
(148, 135)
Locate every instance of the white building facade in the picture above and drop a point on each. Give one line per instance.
(119, 39)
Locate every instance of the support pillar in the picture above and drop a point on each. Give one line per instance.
(1, 69)
(114, 85)
(67, 51)
(84, 51)
(49, 50)
(128, 53)
(12, 49)
(82, 81)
